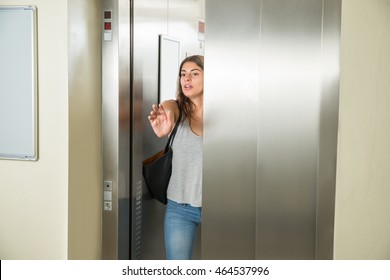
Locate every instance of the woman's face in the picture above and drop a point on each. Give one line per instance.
(191, 80)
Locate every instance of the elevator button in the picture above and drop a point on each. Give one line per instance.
(107, 206)
(107, 195)
(107, 185)
(107, 25)
(107, 36)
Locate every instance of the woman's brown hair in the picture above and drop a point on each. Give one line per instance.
(185, 103)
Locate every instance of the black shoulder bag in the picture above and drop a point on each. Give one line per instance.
(157, 169)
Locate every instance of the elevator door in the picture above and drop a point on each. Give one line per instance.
(271, 77)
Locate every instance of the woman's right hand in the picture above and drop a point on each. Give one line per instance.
(161, 120)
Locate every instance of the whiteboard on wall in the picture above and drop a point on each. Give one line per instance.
(18, 83)
(169, 63)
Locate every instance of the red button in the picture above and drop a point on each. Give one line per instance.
(107, 26)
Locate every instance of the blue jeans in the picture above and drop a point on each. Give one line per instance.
(181, 221)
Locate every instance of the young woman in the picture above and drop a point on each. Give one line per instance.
(183, 212)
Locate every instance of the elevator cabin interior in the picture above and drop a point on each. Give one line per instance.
(270, 132)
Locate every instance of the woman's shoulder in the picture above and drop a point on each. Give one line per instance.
(169, 102)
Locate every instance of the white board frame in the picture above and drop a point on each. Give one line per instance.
(18, 83)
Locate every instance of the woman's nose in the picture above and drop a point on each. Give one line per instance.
(186, 77)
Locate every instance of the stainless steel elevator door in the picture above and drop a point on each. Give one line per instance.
(230, 132)
(290, 68)
(264, 119)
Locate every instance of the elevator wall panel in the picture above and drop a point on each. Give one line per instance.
(110, 134)
(116, 131)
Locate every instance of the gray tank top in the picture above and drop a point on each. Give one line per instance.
(185, 185)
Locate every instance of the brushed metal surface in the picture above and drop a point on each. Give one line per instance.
(329, 108)
(116, 130)
(110, 135)
(127, 248)
(288, 129)
(271, 91)
(230, 131)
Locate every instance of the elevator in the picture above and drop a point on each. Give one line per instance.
(270, 131)
(133, 36)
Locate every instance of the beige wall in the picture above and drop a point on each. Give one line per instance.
(362, 218)
(84, 41)
(45, 213)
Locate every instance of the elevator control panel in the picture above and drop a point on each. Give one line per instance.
(107, 195)
(107, 26)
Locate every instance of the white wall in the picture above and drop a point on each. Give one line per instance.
(362, 218)
(36, 200)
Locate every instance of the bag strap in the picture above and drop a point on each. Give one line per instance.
(173, 133)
